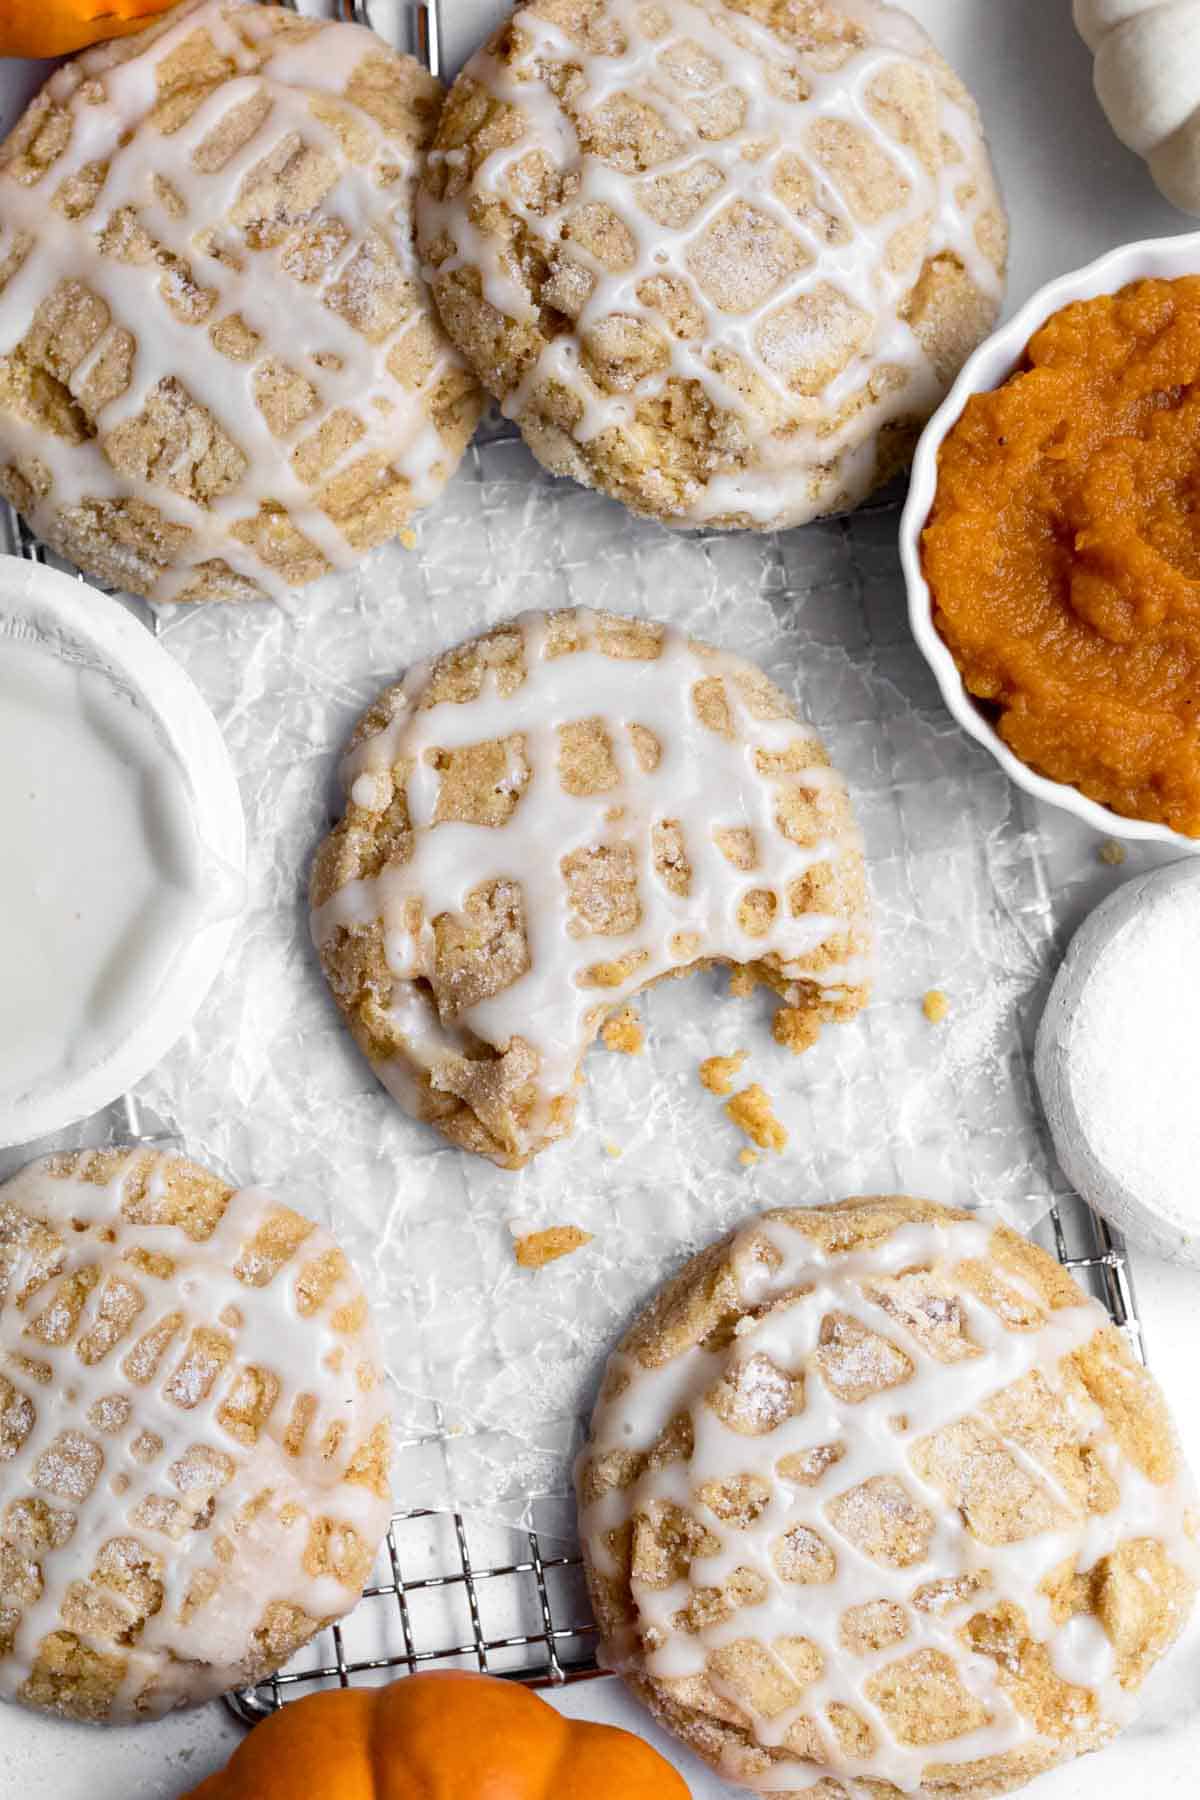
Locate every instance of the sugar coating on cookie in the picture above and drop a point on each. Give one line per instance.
(194, 1435)
(221, 373)
(548, 819)
(720, 260)
(877, 1502)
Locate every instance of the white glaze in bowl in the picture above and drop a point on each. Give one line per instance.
(988, 367)
(45, 611)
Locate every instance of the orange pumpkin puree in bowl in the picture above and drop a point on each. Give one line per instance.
(1063, 551)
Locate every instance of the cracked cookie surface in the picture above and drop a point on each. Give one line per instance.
(195, 1439)
(878, 1503)
(720, 261)
(221, 372)
(544, 821)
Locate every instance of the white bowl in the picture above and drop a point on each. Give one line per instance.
(1074, 1033)
(988, 368)
(65, 613)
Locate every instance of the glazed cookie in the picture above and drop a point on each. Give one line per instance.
(552, 817)
(221, 374)
(877, 1502)
(720, 260)
(194, 1435)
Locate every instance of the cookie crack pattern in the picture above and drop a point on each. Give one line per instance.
(719, 260)
(194, 1435)
(548, 820)
(220, 371)
(991, 1553)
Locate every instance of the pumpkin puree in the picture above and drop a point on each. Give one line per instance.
(1063, 551)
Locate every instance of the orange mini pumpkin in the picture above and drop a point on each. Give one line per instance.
(56, 27)
(450, 1736)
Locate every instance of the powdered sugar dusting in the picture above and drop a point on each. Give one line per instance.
(1134, 1055)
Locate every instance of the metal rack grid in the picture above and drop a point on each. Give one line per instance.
(558, 1649)
(546, 1592)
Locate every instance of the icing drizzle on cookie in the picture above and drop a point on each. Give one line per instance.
(884, 1442)
(193, 1435)
(644, 803)
(218, 278)
(769, 242)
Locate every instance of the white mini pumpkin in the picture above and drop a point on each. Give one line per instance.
(1147, 78)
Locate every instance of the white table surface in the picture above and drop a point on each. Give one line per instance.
(1073, 193)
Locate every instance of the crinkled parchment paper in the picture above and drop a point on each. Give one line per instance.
(494, 1365)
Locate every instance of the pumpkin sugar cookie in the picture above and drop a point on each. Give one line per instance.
(221, 373)
(720, 259)
(552, 817)
(195, 1440)
(878, 1503)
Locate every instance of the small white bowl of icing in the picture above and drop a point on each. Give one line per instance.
(1118, 1061)
(122, 850)
(987, 368)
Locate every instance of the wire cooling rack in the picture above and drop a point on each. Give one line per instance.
(453, 1591)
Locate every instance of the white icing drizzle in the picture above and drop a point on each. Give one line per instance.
(797, 463)
(175, 1662)
(108, 108)
(703, 781)
(937, 1394)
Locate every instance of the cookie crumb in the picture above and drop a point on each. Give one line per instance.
(717, 1072)
(741, 983)
(935, 1006)
(538, 1248)
(408, 537)
(748, 1158)
(623, 1032)
(796, 1028)
(1112, 853)
(613, 1149)
(751, 1112)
